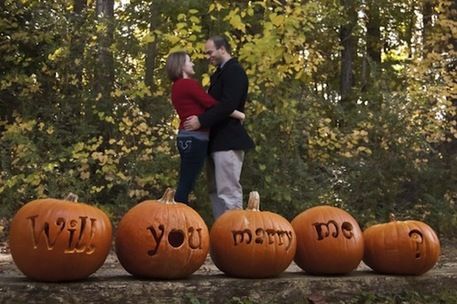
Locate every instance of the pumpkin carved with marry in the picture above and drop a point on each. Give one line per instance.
(329, 241)
(252, 243)
(401, 247)
(59, 240)
(162, 239)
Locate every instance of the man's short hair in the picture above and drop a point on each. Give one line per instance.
(221, 41)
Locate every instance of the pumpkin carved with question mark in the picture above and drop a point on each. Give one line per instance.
(401, 247)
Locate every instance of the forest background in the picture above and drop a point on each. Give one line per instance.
(352, 103)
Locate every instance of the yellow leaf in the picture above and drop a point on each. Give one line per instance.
(148, 38)
(205, 80)
(347, 154)
(364, 149)
(85, 175)
(236, 22)
(277, 20)
(194, 19)
(95, 189)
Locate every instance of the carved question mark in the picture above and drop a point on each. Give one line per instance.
(416, 236)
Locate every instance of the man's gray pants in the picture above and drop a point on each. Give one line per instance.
(224, 171)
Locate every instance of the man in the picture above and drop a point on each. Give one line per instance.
(228, 139)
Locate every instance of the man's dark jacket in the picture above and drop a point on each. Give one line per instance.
(229, 86)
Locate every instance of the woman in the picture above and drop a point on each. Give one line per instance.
(189, 98)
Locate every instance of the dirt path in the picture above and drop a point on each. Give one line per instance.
(112, 284)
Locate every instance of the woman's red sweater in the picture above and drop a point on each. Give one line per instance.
(189, 98)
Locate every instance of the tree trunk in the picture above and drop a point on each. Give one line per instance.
(77, 44)
(104, 69)
(374, 44)
(427, 13)
(372, 58)
(151, 49)
(410, 32)
(450, 46)
(349, 50)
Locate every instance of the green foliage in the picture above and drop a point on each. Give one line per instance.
(389, 148)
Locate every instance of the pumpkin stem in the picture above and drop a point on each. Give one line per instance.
(168, 197)
(392, 217)
(254, 201)
(71, 197)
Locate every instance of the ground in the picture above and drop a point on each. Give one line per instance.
(112, 284)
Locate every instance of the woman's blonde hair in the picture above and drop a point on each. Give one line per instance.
(175, 64)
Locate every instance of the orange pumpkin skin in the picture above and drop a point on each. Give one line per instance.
(252, 243)
(162, 239)
(329, 241)
(401, 247)
(59, 240)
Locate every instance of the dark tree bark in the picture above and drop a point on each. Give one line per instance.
(151, 50)
(348, 52)
(77, 44)
(374, 44)
(427, 13)
(104, 69)
(372, 58)
(450, 148)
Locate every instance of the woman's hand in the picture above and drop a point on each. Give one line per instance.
(192, 123)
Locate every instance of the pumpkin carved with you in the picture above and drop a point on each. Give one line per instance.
(162, 239)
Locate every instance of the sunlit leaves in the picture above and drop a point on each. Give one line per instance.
(381, 150)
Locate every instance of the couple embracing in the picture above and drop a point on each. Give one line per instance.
(211, 125)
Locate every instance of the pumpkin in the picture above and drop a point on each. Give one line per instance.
(251, 243)
(162, 239)
(329, 241)
(59, 240)
(401, 247)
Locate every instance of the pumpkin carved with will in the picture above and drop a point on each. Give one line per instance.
(252, 243)
(329, 241)
(162, 239)
(59, 240)
(401, 247)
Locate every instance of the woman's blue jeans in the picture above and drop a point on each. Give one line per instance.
(193, 152)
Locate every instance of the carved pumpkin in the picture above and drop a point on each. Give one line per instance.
(59, 240)
(401, 247)
(162, 239)
(252, 243)
(329, 241)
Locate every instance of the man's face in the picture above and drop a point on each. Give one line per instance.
(213, 54)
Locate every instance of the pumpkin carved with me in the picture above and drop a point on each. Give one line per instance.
(329, 241)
